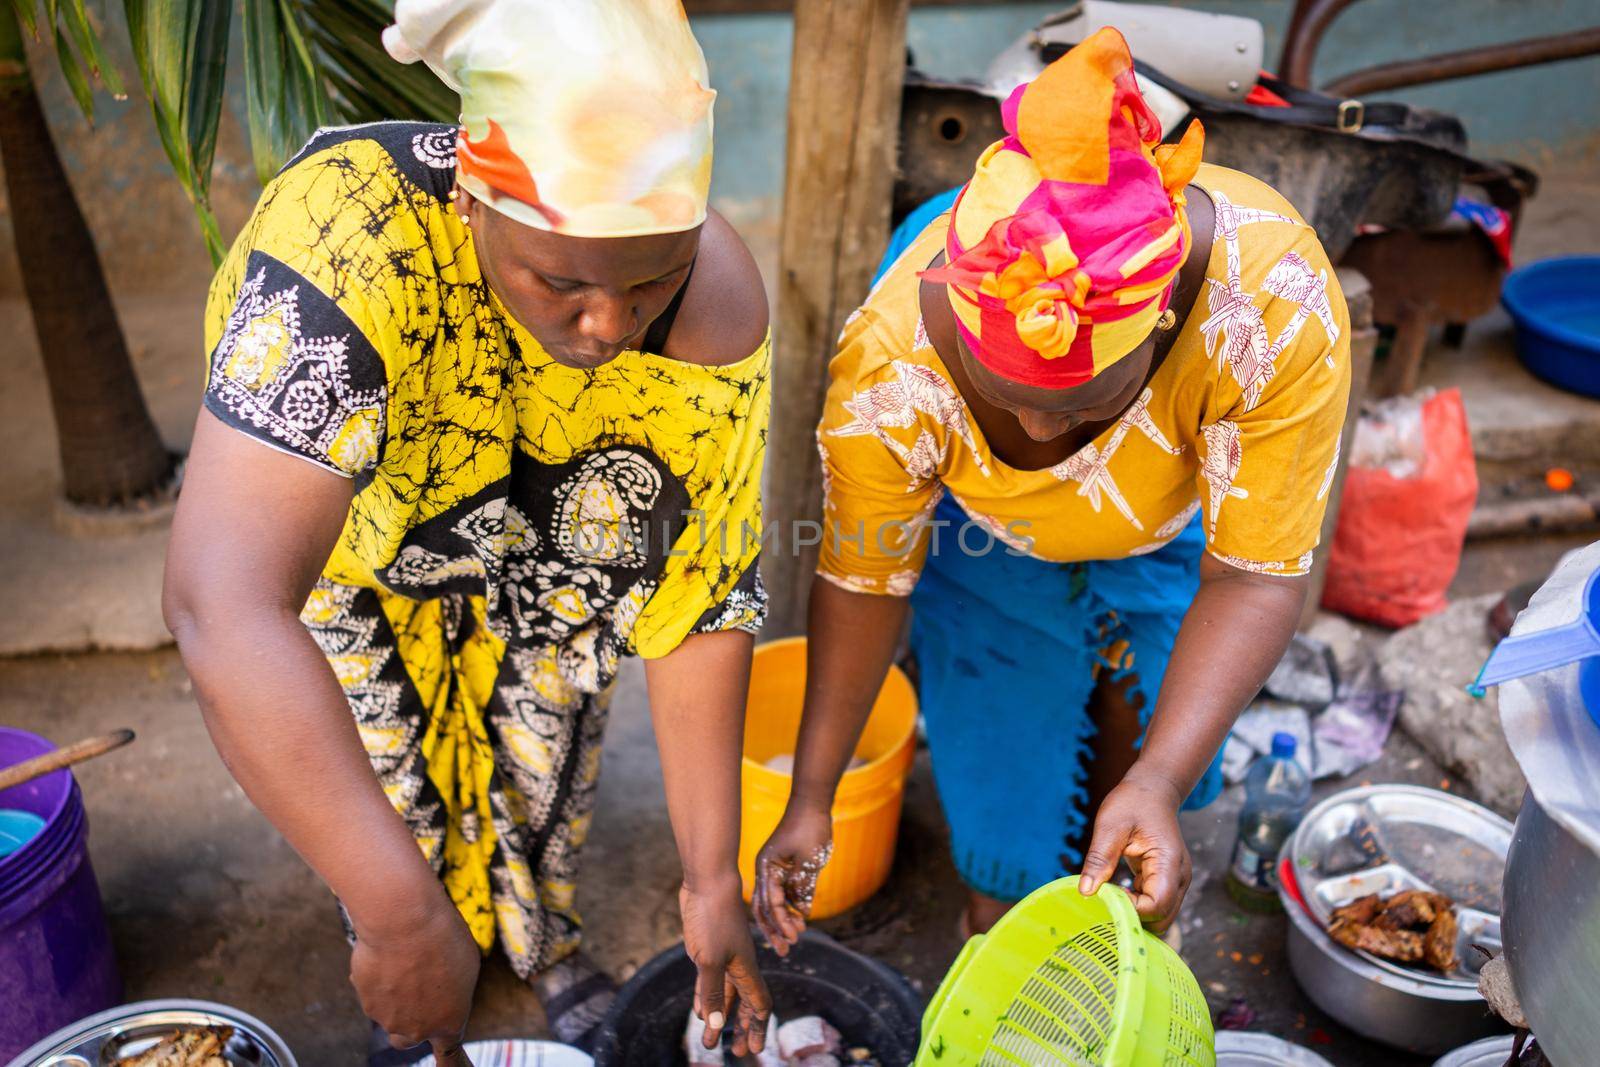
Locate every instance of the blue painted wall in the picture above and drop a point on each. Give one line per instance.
(1541, 115)
(1547, 116)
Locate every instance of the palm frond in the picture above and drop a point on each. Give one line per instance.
(181, 47)
(348, 37)
(305, 62)
(287, 94)
(87, 38)
(79, 51)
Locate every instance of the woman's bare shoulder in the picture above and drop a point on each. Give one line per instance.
(724, 316)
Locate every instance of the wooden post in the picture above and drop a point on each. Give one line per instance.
(844, 114)
(1363, 345)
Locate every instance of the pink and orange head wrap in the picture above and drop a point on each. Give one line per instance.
(1065, 245)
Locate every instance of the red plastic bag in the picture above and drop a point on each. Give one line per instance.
(1403, 517)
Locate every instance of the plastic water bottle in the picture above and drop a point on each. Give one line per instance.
(1277, 793)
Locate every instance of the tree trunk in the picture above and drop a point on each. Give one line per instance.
(110, 451)
(844, 120)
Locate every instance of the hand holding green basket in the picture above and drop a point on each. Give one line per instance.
(1068, 979)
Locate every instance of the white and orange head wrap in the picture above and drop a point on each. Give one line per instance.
(588, 118)
(1065, 245)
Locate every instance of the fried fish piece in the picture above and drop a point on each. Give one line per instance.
(1407, 910)
(1402, 946)
(190, 1046)
(1412, 926)
(1360, 911)
(1439, 943)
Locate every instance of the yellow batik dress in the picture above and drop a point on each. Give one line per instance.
(517, 526)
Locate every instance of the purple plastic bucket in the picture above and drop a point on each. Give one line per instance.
(56, 959)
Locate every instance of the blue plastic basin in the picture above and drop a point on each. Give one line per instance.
(1555, 305)
(17, 828)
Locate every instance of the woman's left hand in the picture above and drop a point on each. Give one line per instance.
(1139, 819)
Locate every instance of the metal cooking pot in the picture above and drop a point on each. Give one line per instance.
(1551, 926)
(1551, 917)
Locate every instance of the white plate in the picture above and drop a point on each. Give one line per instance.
(520, 1054)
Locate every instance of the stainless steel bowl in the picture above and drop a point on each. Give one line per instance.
(1238, 1049)
(104, 1039)
(1405, 1013)
(1386, 838)
(1331, 862)
(1490, 1052)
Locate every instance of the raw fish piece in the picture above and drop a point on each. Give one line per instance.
(809, 1035)
(694, 1049)
(783, 763)
(769, 1055)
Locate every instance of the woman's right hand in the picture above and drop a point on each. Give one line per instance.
(416, 979)
(729, 990)
(787, 868)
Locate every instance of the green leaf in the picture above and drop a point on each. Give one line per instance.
(89, 46)
(284, 87)
(77, 80)
(26, 16)
(305, 62)
(181, 50)
(78, 49)
(208, 65)
(348, 35)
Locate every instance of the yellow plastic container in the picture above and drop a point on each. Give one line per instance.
(866, 808)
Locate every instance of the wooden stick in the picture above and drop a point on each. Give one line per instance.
(1544, 514)
(844, 116)
(1363, 344)
(88, 748)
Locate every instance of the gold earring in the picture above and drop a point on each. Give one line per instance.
(1167, 321)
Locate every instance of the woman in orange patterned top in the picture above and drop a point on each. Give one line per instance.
(1086, 425)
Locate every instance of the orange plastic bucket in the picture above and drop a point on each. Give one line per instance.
(866, 808)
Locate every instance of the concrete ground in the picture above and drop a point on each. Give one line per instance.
(207, 901)
(87, 592)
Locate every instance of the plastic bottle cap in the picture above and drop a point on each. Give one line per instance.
(1283, 746)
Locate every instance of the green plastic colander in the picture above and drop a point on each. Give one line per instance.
(1068, 979)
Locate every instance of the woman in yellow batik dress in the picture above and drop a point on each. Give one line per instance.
(512, 380)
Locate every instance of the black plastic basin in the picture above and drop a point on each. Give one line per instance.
(871, 1004)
